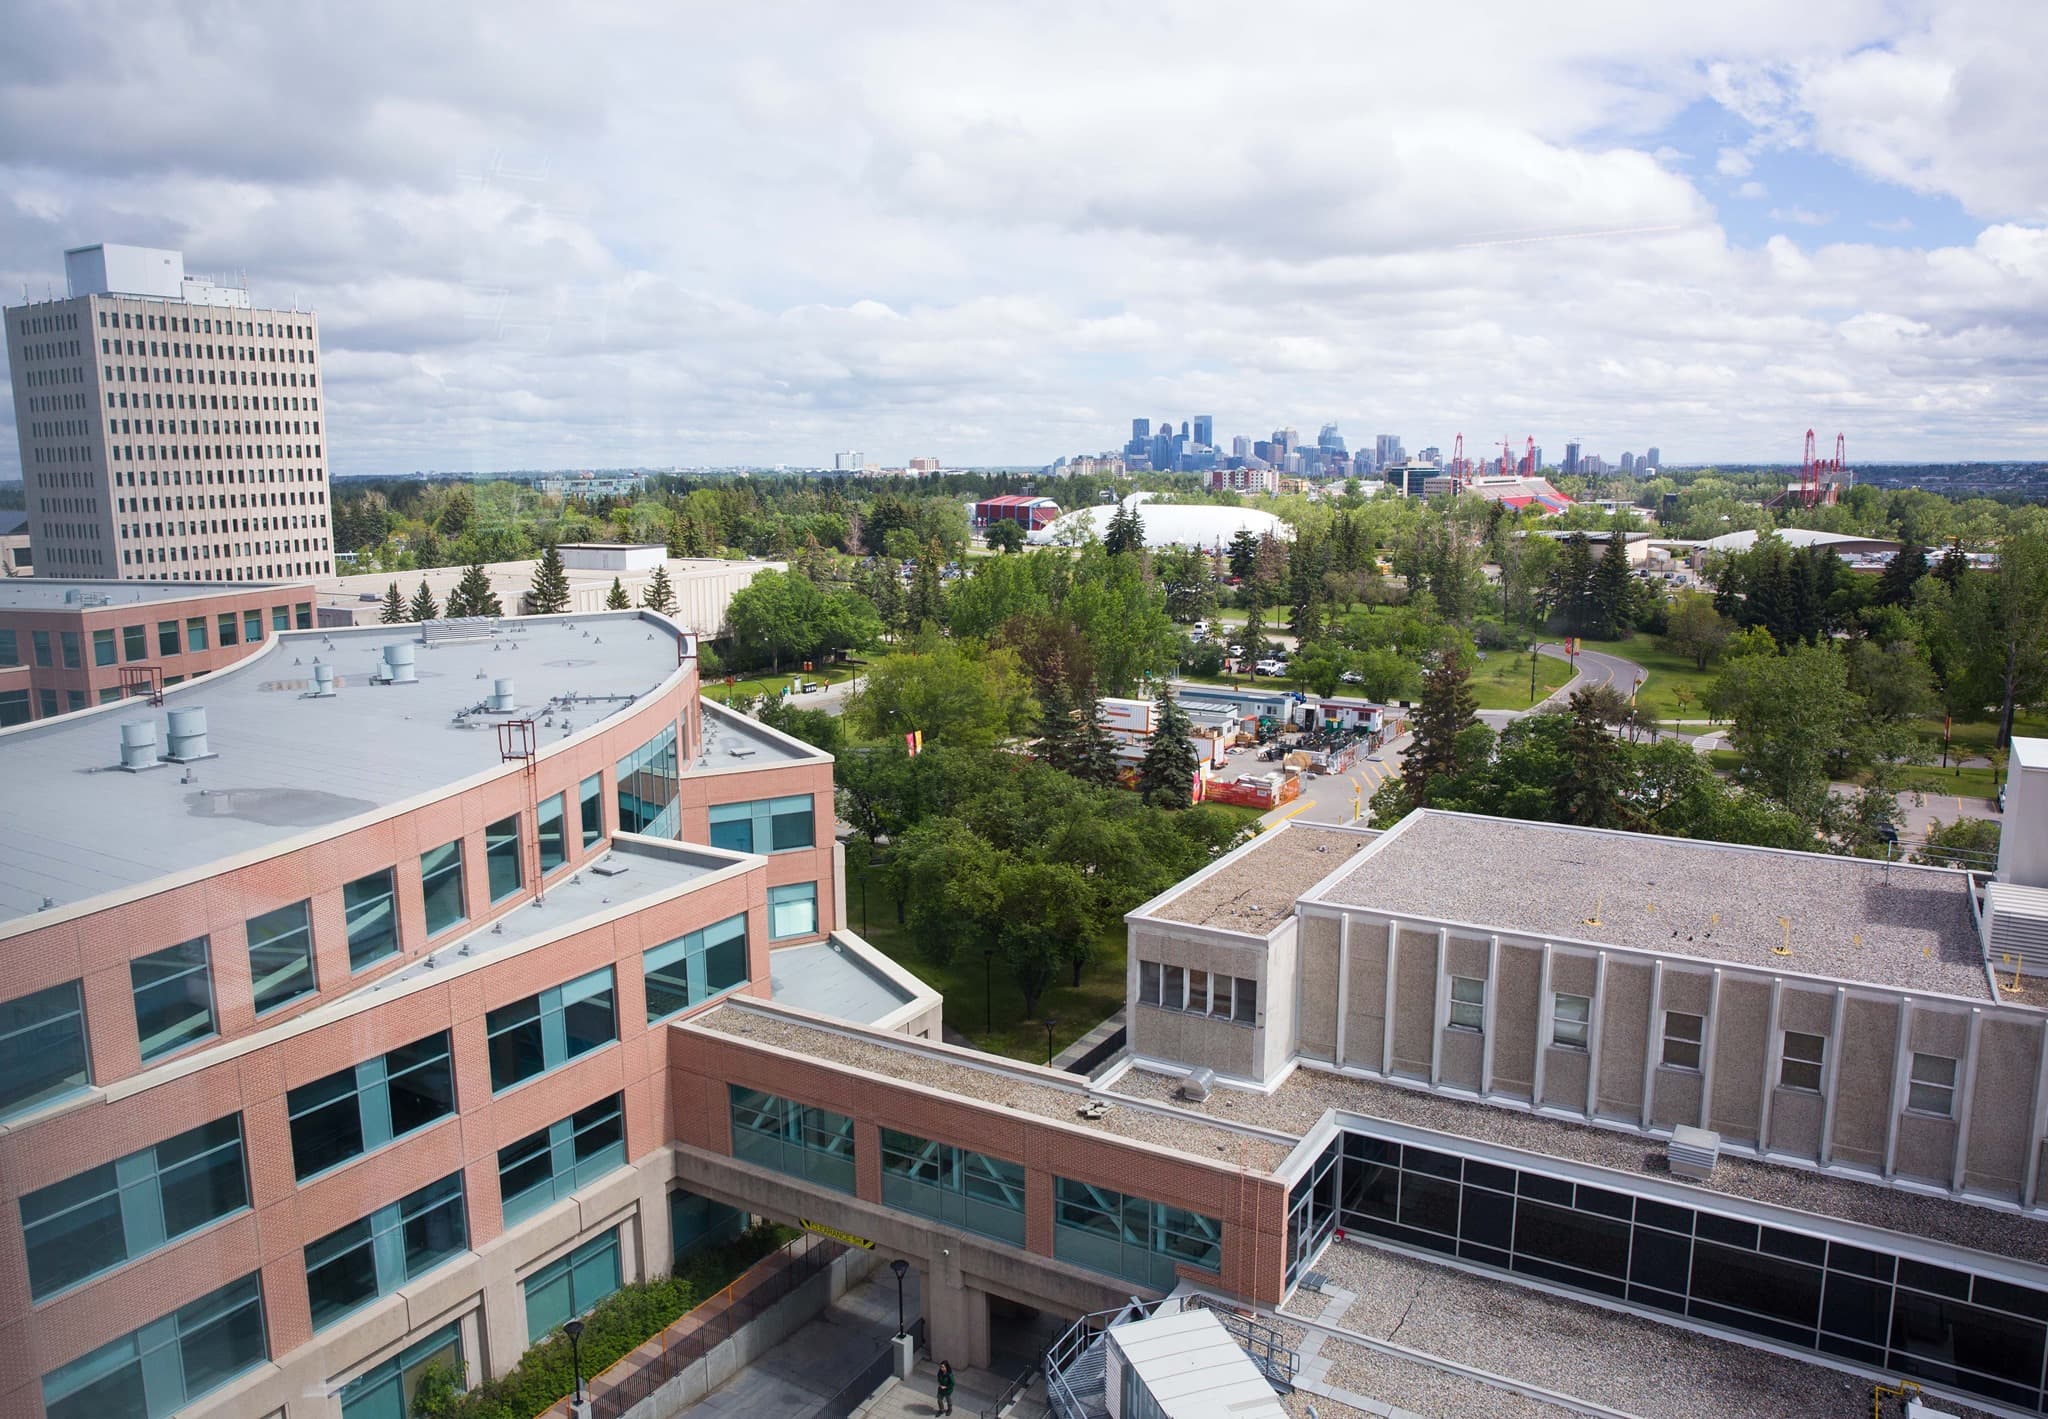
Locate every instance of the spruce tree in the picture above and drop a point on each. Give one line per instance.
(1610, 591)
(394, 607)
(616, 599)
(424, 607)
(473, 594)
(659, 596)
(1166, 775)
(1447, 709)
(1591, 795)
(1901, 575)
(1058, 742)
(550, 593)
(1094, 754)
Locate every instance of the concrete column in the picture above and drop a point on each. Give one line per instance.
(1546, 1014)
(1597, 1014)
(1343, 982)
(1387, 1018)
(955, 1315)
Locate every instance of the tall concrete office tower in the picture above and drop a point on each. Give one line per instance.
(1205, 430)
(170, 431)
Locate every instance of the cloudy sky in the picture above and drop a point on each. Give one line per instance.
(544, 236)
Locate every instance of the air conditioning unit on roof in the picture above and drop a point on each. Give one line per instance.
(1693, 1152)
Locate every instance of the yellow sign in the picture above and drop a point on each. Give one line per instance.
(835, 1234)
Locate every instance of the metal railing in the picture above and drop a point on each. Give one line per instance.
(1263, 1343)
(870, 1376)
(1076, 1370)
(705, 1327)
(1013, 1389)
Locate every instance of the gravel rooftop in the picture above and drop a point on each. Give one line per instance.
(1625, 1362)
(1308, 1093)
(1255, 887)
(985, 1078)
(1851, 919)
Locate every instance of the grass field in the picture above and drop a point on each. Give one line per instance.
(1501, 681)
(752, 686)
(1675, 690)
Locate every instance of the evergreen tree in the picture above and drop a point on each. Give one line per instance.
(1952, 564)
(1901, 575)
(616, 599)
(926, 598)
(1244, 553)
(1095, 755)
(1571, 584)
(424, 608)
(394, 607)
(1058, 742)
(1126, 531)
(1166, 775)
(1446, 710)
(659, 596)
(473, 595)
(1610, 591)
(550, 593)
(1591, 794)
(1254, 641)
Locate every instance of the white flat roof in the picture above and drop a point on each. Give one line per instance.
(826, 979)
(35, 593)
(1194, 1369)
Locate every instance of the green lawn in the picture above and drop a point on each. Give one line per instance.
(1501, 681)
(752, 686)
(962, 981)
(1675, 689)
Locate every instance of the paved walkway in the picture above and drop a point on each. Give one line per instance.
(974, 1393)
(811, 1365)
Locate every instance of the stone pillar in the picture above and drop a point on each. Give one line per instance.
(955, 1315)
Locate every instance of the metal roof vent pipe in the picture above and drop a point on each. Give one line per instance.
(399, 664)
(188, 736)
(503, 701)
(138, 745)
(323, 681)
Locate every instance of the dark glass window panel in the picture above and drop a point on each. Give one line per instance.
(1369, 1190)
(1437, 1165)
(725, 962)
(734, 834)
(420, 1084)
(553, 833)
(597, 1128)
(1853, 1350)
(281, 955)
(1659, 1214)
(1429, 1203)
(1750, 1322)
(1480, 1174)
(1661, 1259)
(1793, 1246)
(2021, 1300)
(1937, 1279)
(326, 1122)
(1951, 1333)
(792, 828)
(173, 997)
(341, 1273)
(1543, 1189)
(1607, 1204)
(1427, 1241)
(1489, 1218)
(117, 1392)
(1726, 1230)
(1483, 1256)
(1752, 1281)
(200, 1177)
(73, 1229)
(218, 1348)
(1662, 1300)
(441, 887)
(1570, 1276)
(436, 1231)
(1360, 1147)
(588, 1023)
(501, 857)
(1859, 1309)
(1858, 1262)
(525, 1165)
(1373, 1225)
(1570, 1238)
(515, 1042)
(370, 911)
(668, 988)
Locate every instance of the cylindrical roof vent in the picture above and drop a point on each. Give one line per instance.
(138, 744)
(188, 735)
(323, 678)
(399, 663)
(502, 698)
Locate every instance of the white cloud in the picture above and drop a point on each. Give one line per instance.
(1802, 216)
(1733, 162)
(1752, 190)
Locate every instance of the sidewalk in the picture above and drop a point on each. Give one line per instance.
(811, 1366)
(974, 1391)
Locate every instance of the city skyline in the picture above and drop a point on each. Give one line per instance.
(1726, 227)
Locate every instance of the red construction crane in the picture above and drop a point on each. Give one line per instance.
(1458, 455)
(1809, 475)
(1528, 464)
(1507, 458)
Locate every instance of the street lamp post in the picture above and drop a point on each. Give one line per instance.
(1534, 646)
(574, 1330)
(1050, 1022)
(899, 1266)
(988, 990)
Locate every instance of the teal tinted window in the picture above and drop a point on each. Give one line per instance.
(1131, 1237)
(281, 955)
(153, 1372)
(227, 629)
(553, 1162)
(280, 618)
(691, 969)
(73, 648)
(590, 808)
(353, 1110)
(501, 857)
(135, 642)
(370, 908)
(695, 1223)
(386, 1391)
(648, 788)
(381, 1252)
(105, 1216)
(794, 1138)
(792, 911)
(955, 1185)
(42, 1047)
(14, 708)
(195, 633)
(252, 626)
(441, 880)
(570, 1285)
(546, 1031)
(173, 997)
(10, 648)
(167, 642)
(765, 825)
(41, 641)
(103, 647)
(553, 831)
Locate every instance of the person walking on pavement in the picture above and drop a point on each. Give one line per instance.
(945, 1387)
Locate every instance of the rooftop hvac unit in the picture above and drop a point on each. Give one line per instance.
(138, 745)
(502, 695)
(323, 681)
(1693, 1152)
(400, 664)
(188, 736)
(1195, 1088)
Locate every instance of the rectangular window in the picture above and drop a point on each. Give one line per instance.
(173, 997)
(280, 618)
(281, 956)
(1800, 1066)
(252, 627)
(501, 857)
(195, 633)
(553, 832)
(570, 1285)
(1198, 992)
(765, 825)
(553, 1162)
(1468, 1003)
(302, 613)
(1148, 982)
(1131, 1237)
(369, 905)
(546, 1031)
(377, 1254)
(967, 1189)
(590, 807)
(14, 708)
(135, 642)
(386, 1391)
(73, 648)
(10, 647)
(41, 641)
(42, 1048)
(227, 629)
(692, 969)
(157, 1370)
(167, 642)
(46, 700)
(103, 647)
(1932, 1089)
(117, 1212)
(356, 1110)
(798, 1139)
(1570, 1018)
(1173, 987)
(441, 882)
(1682, 1036)
(792, 911)
(1245, 1010)
(648, 788)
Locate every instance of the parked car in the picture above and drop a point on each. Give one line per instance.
(1270, 666)
(1200, 630)
(1352, 677)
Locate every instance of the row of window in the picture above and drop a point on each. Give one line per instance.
(1234, 998)
(67, 650)
(1931, 1086)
